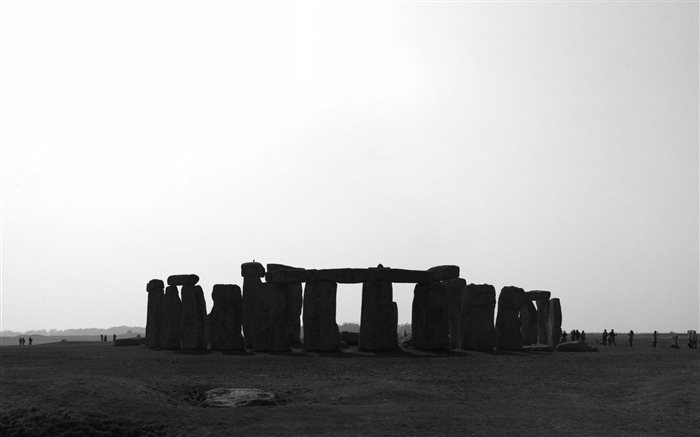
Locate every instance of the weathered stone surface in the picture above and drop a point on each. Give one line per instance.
(538, 295)
(170, 328)
(239, 397)
(271, 319)
(154, 315)
(455, 291)
(542, 317)
(508, 337)
(476, 330)
(155, 284)
(350, 276)
(193, 316)
(429, 322)
(250, 286)
(379, 317)
(528, 323)
(272, 267)
(443, 273)
(575, 346)
(183, 280)
(295, 303)
(252, 269)
(225, 318)
(554, 322)
(320, 328)
(350, 338)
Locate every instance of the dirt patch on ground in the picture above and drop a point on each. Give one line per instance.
(93, 388)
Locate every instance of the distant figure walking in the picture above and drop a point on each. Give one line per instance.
(605, 337)
(611, 338)
(114, 337)
(583, 336)
(675, 342)
(19, 340)
(655, 338)
(631, 336)
(30, 341)
(563, 336)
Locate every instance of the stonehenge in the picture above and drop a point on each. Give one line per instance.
(447, 312)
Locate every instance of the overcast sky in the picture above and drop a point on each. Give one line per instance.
(549, 146)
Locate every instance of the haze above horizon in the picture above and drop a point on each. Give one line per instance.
(549, 146)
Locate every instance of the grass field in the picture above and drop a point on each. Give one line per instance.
(93, 388)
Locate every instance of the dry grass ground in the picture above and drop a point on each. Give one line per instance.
(93, 388)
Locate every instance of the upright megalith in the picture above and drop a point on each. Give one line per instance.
(320, 328)
(429, 322)
(294, 293)
(508, 336)
(193, 318)
(183, 279)
(172, 309)
(455, 291)
(154, 312)
(541, 299)
(251, 272)
(379, 317)
(528, 323)
(271, 318)
(554, 322)
(476, 330)
(225, 318)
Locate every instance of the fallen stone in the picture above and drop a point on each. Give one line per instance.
(252, 269)
(476, 330)
(320, 328)
(538, 348)
(192, 319)
(508, 336)
(575, 346)
(455, 291)
(554, 322)
(183, 280)
(170, 328)
(379, 317)
(443, 273)
(225, 318)
(239, 397)
(528, 323)
(271, 319)
(155, 284)
(429, 322)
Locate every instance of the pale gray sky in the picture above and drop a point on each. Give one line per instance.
(545, 145)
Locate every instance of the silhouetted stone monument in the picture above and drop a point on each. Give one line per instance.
(320, 328)
(528, 323)
(429, 322)
(154, 312)
(541, 299)
(379, 317)
(193, 316)
(225, 318)
(183, 280)
(554, 322)
(271, 318)
(251, 272)
(172, 308)
(294, 303)
(455, 291)
(444, 273)
(476, 330)
(508, 335)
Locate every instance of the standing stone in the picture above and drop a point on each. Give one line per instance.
(542, 319)
(455, 291)
(294, 303)
(271, 318)
(251, 272)
(528, 323)
(476, 330)
(379, 318)
(225, 318)
(154, 312)
(429, 322)
(320, 328)
(508, 337)
(194, 313)
(172, 309)
(554, 322)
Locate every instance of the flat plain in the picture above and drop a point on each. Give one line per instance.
(94, 388)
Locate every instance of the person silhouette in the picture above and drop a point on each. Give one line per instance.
(655, 335)
(114, 337)
(583, 336)
(611, 338)
(605, 337)
(631, 336)
(30, 341)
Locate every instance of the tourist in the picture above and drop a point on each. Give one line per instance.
(631, 336)
(30, 341)
(583, 336)
(695, 340)
(605, 337)
(19, 340)
(563, 337)
(611, 338)
(114, 337)
(655, 338)
(675, 342)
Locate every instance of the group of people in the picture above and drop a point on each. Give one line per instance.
(22, 341)
(608, 338)
(103, 337)
(576, 335)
